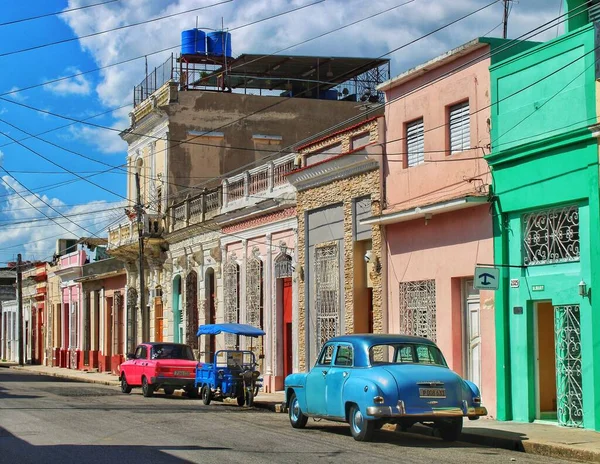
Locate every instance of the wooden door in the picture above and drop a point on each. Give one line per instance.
(158, 319)
(287, 326)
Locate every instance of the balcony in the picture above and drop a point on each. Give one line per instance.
(265, 182)
(123, 238)
(196, 209)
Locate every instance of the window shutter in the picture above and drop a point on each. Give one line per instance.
(460, 128)
(594, 11)
(415, 146)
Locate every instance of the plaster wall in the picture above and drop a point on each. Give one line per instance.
(436, 180)
(446, 249)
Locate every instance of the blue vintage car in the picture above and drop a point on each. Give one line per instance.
(369, 380)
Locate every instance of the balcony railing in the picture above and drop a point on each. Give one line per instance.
(258, 181)
(195, 209)
(127, 233)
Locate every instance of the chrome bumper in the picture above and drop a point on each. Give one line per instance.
(400, 411)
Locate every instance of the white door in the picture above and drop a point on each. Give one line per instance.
(473, 334)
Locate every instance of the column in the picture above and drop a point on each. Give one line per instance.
(270, 341)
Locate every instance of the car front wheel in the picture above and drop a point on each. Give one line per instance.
(297, 417)
(360, 427)
(125, 387)
(147, 389)
(450, 429)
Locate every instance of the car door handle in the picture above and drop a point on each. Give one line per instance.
(345, 374)
(324, 373)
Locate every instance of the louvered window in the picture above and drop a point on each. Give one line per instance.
(594, 11)
(414, 143)
(460, 128)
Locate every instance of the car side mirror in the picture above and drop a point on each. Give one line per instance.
(130, 356)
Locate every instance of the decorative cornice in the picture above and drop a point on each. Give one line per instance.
(336, 169)
(273, 227)
(259, 221)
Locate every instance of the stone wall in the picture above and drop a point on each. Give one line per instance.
(345, 191)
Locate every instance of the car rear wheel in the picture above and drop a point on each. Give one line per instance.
(297, 417)
(192, 392)
(206, 395)
(360, 427)
(147, 389)
(169, 390)
(450, 429)
(125, 387)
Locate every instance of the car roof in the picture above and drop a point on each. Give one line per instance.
(162, 343)
(371, 339)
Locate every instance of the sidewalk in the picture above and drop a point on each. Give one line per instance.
(542, 439)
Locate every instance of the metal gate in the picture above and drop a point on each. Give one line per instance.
(567, 333)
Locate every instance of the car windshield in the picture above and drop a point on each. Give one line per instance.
(171, 351)
(406, 353)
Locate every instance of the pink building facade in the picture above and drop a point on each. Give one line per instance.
(437, 223)
(69, 269)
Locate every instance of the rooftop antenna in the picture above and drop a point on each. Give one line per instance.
(505, 18)
(196, 22)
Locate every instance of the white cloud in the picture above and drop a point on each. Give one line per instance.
(370, 38)
(33, 234)
(78, 85)
(17, 96)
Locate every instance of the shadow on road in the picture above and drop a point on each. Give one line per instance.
(11, 376)
(14, 449)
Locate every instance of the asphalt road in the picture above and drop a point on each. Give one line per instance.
(48, 420)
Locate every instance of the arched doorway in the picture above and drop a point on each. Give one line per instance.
(158, 315)
(191, 303)
(210, 346)
(231, 290)
(283, 276)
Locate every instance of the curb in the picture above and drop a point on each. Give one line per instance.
(540, 448)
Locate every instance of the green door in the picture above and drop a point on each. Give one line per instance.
(567, 333)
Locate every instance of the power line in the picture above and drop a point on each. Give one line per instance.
(56, 13)
(58, 42)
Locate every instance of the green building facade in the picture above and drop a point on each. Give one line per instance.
(546, 204)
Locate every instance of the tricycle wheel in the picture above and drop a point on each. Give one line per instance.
(125, 387)
(297, 417)
(249, 397)
(147, 389)
(240, 399)
(169, 390)
(206, 395)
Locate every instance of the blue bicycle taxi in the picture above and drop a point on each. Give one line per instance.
(233, 373)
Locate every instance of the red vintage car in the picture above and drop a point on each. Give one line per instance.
(169, 366)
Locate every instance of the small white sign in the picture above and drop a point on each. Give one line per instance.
(514, 283)
(486, 278)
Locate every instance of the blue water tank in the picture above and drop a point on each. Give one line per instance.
(218, 43)
(193, 42)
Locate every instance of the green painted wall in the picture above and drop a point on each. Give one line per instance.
(544, 156)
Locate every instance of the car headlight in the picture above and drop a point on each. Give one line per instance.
(477, 400)
(378, 399)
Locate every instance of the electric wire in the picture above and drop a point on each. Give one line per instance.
(56, 13)
(126, 26)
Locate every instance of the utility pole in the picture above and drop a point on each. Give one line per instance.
(139, 209)
(20, 310)
(505, 19)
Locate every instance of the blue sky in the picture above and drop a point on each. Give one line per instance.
(88, 208)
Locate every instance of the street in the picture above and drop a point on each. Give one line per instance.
(49, 420)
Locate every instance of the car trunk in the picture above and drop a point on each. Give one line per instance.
(425, 387)
(177, 368)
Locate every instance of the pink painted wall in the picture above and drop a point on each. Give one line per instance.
(449, 246)
(447, 250)
(436, 180)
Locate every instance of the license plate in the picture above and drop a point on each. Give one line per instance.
(181, 373)
(432, 392)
